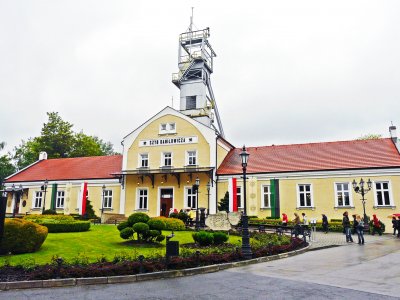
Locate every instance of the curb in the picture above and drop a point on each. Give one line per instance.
(67, 282)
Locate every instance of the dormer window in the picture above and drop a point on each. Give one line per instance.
(167, 128)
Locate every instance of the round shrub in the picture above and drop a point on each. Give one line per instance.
(172, 223)
(174, 215)
(122, 225)
(22, 236)
(203, 238)
(126, 233)
(154, 233)
(156, 224)
(160, 238)
(220, 238)
(141, 227)
(138, 217)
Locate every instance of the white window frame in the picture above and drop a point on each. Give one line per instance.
(311, 195)
(60, 199)
(37, 197)
(167, 128)
(391, 200)
(351, 204)
(139, 197)
(263, 194)
(107, 198)
(240, 194)
(163, 159)
(140, 160)
(188, 157)
(193, 196)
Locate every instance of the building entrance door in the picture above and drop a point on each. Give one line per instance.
(166, 202)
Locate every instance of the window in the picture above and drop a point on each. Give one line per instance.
(37, 203)
(191, 158)
(266, 196)
(239, 196)
(171, 126)
(144, 160)
(142, 198)
(166, 128)
(163, 127)
(107, 199)
(60, 199)
(167, 159)
(190, 102)
(304, 195)
(191, 198)
(382, 193)
(342, 194)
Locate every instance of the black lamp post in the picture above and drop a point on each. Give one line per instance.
(103, 188)
(246, 249)
(44, 188)
(360, 189)
(208, 197)
(196, 188)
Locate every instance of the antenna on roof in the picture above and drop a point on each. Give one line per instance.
(191, 21)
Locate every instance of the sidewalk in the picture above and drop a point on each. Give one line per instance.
(321, 240)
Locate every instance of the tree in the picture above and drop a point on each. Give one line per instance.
(6, 166)
(370, 136)
(58, 140)
(223, 204)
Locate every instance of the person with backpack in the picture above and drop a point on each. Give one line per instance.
(347, 227)
(360, 230)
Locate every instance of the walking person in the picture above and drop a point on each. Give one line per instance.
(394, 225)
(355, 223)
(297, 226)
(376, 225)
(360, 230)
(347, 227)
(324, 223)
(398, 226)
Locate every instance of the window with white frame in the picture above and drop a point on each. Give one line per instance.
(342, 193)
(167, 128)
(108, 195)
(304, 195)
(171, 127)
(265, 196)
(142, 199)
(144, 160)
(239, 197)
(60, 199)
(167, 159)
(192, 158)
(382, 193)
(191, 196)
(37, 201)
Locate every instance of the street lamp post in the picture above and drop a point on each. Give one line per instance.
(360, 189)
(208, 197)
(196, 188)
(44, 188)
(246, 249)
(103, 188)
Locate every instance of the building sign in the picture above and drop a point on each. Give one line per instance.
(168, 141)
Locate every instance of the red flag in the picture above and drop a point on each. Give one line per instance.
(84, 198)
(232, 187)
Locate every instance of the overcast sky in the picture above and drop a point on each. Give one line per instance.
(285, 72)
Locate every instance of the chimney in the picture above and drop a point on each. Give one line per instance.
(393, 135)
(42, 155)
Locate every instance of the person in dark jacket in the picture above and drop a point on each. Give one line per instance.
(347, 227)
(360, 230)
(394, 225)
(398, 226)
(355, 224)
(324, 223)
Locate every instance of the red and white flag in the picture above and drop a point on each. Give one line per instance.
(232, 189)
(84, 198)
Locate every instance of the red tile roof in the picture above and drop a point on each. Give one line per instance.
(357, 154)
(94, 167)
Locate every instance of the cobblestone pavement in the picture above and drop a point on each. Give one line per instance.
(321, 240)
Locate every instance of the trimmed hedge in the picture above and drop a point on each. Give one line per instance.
(172, 223)
(22, 236)
(75, 226)
(41, 218)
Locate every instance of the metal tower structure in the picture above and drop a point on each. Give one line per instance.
(195, 62)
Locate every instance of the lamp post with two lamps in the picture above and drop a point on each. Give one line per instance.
(246, 249)
(360, 189)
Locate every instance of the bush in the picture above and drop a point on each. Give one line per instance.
(122, 225)
(141, 229)
(126, 233)
(183, 217)
(172, 223)
(138, 217)
(22, 236)
(203, 238)
(156, 224)
(220, 238)
(55, 226)
(40, 218)
(49, 212)
(174, 215)
(160, 238)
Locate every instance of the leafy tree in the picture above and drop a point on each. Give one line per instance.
(223, 204)
(6, 166)
(370, 136)
(59, 140)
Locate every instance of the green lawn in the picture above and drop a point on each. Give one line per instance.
(100, 240)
